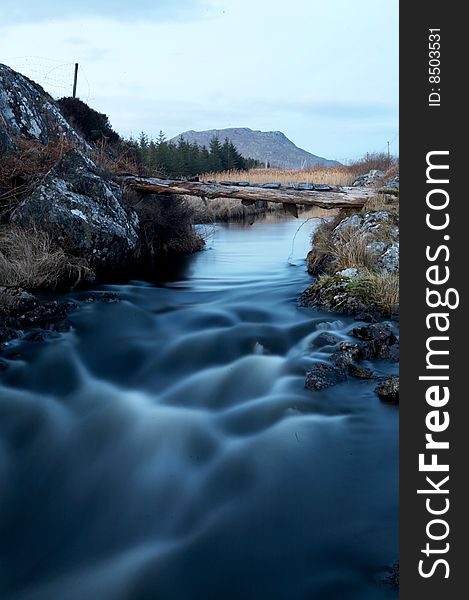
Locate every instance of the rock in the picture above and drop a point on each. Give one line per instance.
(28, 112)
(351, 273)
(376, 248)
(99, 297)
(388, 390)
(81, 208)
(390, 579)
(62, 326)
(389, 260)
(15, 301)
(49, 312)
(390, 187)
(325, 339)
(367, 317)
(368, 178)
(378, 333)
(360, 372)
(333, 294)
(322, 376)
(366, 226)
(39, 336)
(7, 334)
(353, 221)
(346, 354)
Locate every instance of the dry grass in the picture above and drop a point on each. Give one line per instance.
(343, 175)
(331, 176)
(117, 159)
(382, 202)
(332, 252)
(30, 259)
(378, 288)
(22, 170)
(345, 249)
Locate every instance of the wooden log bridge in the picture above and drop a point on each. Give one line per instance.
(304, 194)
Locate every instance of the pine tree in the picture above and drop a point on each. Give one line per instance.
(215, 161)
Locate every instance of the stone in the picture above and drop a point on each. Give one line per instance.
(376, 248)
(28, 112)
(322, 376)
(79, 205)
(346, 354)
(7, 334)
(368, 178)
(15, 301)
(325, 339)
(388, 390)
(360, 372)
(389, 260)
(99, 297)
(351, 273)
(49, 312)
(378, 333)
(366, 317)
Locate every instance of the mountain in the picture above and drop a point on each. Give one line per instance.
(266, 146)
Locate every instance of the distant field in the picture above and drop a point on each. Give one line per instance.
(329, 176)
(343, 175)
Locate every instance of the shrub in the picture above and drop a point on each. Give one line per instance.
(30, 259)
(165, 225)
(93, 125)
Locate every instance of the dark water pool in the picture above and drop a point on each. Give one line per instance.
(167, 449)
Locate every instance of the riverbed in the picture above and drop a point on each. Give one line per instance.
(167, 449)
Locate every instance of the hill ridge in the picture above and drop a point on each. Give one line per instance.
(273, 147)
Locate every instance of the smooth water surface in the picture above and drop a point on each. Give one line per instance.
(166, 448)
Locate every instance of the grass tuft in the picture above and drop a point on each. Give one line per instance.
(30, 259)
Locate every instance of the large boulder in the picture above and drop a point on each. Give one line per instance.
(80, 206)
(28, 112)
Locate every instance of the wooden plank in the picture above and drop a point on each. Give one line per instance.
(335, 198)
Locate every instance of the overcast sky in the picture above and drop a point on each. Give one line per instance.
(323, 72)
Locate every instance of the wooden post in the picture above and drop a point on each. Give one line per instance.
(75, 79)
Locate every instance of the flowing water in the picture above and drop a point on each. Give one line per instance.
(166, 448)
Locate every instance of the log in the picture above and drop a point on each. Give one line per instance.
(334, 198)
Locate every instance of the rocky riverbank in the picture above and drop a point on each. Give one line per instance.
(64, 218)
(355, 262)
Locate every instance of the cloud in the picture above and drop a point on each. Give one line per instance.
(340, 109)
(31, 11)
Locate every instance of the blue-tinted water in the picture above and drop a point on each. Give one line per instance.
(166, 448)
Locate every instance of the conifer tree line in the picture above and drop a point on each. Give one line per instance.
(186, 159)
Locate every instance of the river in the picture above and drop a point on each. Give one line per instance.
(166, 448)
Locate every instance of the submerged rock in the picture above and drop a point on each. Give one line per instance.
(44, 314)
(79, 205)
(15, 301)
(323, 375)
(379, 333)
(325, 339)
(360, 372)
(388, 390)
